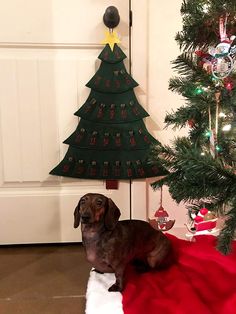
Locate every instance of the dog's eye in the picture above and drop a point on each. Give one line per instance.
(82, 201)
(99, 202)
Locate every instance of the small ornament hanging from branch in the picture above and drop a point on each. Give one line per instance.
(222, 62)
(219, 61)
(161, 221)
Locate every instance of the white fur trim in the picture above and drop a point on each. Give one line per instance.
(98, 299)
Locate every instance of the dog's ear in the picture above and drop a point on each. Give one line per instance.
(77, 216)
(112, 215)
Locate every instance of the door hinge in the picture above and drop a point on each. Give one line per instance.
(130, 18)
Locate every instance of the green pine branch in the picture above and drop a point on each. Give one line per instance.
(228, 233)
(201, 22)
(194, 176)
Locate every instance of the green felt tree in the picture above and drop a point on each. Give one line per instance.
(201, 165)
(111, 140)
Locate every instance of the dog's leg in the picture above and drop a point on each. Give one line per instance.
(118, 285)
(157, 257)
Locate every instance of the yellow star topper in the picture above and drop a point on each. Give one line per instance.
(111, 38)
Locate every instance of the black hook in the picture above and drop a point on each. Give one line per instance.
(111, 17)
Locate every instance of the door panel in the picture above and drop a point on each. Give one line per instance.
(45, 64)
(58, 21)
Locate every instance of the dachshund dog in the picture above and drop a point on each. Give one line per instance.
(110, 245)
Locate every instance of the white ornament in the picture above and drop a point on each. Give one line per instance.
(222, 66)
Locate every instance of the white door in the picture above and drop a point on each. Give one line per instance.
(48, 52)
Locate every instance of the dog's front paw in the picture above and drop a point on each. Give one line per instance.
(97, 271)
(115, 288)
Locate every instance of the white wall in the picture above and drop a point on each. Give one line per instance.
(164, 20)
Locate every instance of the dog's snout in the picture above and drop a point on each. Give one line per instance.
(85, 218)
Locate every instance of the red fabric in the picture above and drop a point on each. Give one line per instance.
(202, 281)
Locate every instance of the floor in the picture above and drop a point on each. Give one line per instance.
(45, 279)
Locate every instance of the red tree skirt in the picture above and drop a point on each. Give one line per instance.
(202, 281)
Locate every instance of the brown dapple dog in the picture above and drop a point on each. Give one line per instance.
(111, 244)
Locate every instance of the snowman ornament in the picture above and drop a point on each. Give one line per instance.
(223, 54)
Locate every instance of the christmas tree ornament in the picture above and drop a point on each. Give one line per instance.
(206, 60)
(202, 221)
(203, 211)
(191, 123)
(222, 66)
(209, 216)
(161, 221)
(205, 222)
(228, 84)
(198, 219)
(222, 62)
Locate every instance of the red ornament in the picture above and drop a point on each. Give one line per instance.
(191, 123)
(161, 213)
(228, 84)
(198, 219)
(161, 223)
(203, 211)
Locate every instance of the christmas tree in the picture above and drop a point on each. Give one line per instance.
(111, 140)
(201, 165)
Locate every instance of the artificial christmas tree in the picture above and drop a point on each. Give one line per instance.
(201, 166)
(111, 140)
